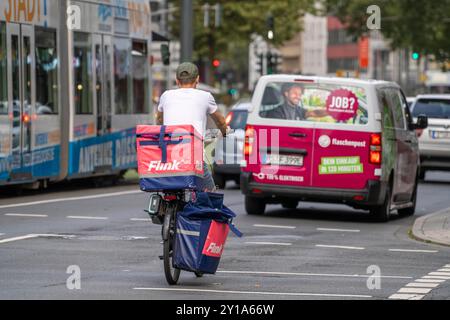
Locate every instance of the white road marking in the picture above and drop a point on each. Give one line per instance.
(406, 296)
(445, 274)
(30, 236)
(414, 290)
(436, 277)
(104, 195)
(26, 215)
(444, 270)
(418, 251)
(140, 219)
(273, 226)
(310, 274)
(86, 217)
(258, 292)
(422, 285)
(430, 280)
(339, 247)
(447, 266)
(338, 230)
(270, 243)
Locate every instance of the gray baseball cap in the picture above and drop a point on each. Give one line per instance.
(187, 71)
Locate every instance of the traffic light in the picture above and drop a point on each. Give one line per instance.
(272, 63)
(415, 55)
(270, 22)
(260, 64)
(165, 54)
(216, 63)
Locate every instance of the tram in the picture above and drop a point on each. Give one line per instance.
(75, 80)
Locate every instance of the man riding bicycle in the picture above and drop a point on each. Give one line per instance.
(188, 105)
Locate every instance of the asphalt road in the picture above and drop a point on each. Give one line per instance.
(317, 251)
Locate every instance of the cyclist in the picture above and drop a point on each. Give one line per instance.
(188, 105)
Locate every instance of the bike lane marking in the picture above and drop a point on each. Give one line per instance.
(26, 215)
(303, 294)
(87, 218)
(31, 236)
(104, 195)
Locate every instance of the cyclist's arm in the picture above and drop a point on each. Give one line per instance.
(219, 120)
(159, 118)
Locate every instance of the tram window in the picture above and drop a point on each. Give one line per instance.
(140, 78)
(46, 72)
(82, 66)
(122, 77)
(3, 74)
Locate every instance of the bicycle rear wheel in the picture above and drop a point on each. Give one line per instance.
(169, 228)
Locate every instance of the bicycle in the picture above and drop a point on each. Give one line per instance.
(163, 208)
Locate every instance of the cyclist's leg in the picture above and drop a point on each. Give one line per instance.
(208, 181)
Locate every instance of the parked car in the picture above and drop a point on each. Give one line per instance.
(347, 141)
(434, 142)
(229, 150)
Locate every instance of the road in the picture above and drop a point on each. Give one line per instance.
(318, 251)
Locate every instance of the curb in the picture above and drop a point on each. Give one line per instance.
(418, 229)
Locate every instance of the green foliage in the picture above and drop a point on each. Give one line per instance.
(420, 25)
(241, 19)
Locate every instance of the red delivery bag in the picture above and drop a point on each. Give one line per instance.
(169, 157)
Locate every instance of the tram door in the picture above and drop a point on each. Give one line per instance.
(103, 82)
(21, 75)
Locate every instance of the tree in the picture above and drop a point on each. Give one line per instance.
(419, 25)
(241, 19)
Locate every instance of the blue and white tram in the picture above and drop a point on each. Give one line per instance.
(74, 82)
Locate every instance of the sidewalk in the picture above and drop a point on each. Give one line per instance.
(433, 227)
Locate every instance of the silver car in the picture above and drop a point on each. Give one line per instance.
(434, 142)
(229, 152)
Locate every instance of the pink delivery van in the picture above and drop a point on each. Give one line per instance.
(333, 140)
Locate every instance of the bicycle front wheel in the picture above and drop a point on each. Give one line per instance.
(172, 274)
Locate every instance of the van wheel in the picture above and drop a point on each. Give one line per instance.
(289, 204)
(219, 181)
(411, 210)
(383, 213)
(255, 206)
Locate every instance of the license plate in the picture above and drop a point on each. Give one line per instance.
(284, 160)
(440, 134)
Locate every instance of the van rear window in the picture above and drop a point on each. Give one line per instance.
(314, 102)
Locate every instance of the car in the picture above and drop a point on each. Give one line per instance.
(229, 151)
(410, 101)
(348, 141)
(434, 142)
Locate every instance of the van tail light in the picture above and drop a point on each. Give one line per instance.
(249, 139)
(375, 155)
(229, 118)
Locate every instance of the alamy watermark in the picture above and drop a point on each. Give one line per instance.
(374, 20)
(374, 280)
(73, 17)
(74, 280)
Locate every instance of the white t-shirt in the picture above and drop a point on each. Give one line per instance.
(187, 106)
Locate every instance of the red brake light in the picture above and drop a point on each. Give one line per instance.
(229, 118)
(249, 138)
(375, 139)
(375, 156)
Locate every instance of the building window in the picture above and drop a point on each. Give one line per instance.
(122, 75)
(141, 90)
(82, 66)
(3, 74)
(46, 72)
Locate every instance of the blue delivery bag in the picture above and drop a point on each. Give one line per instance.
(202, 230)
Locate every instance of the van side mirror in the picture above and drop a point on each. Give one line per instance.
(165, 54)
(422, 122)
